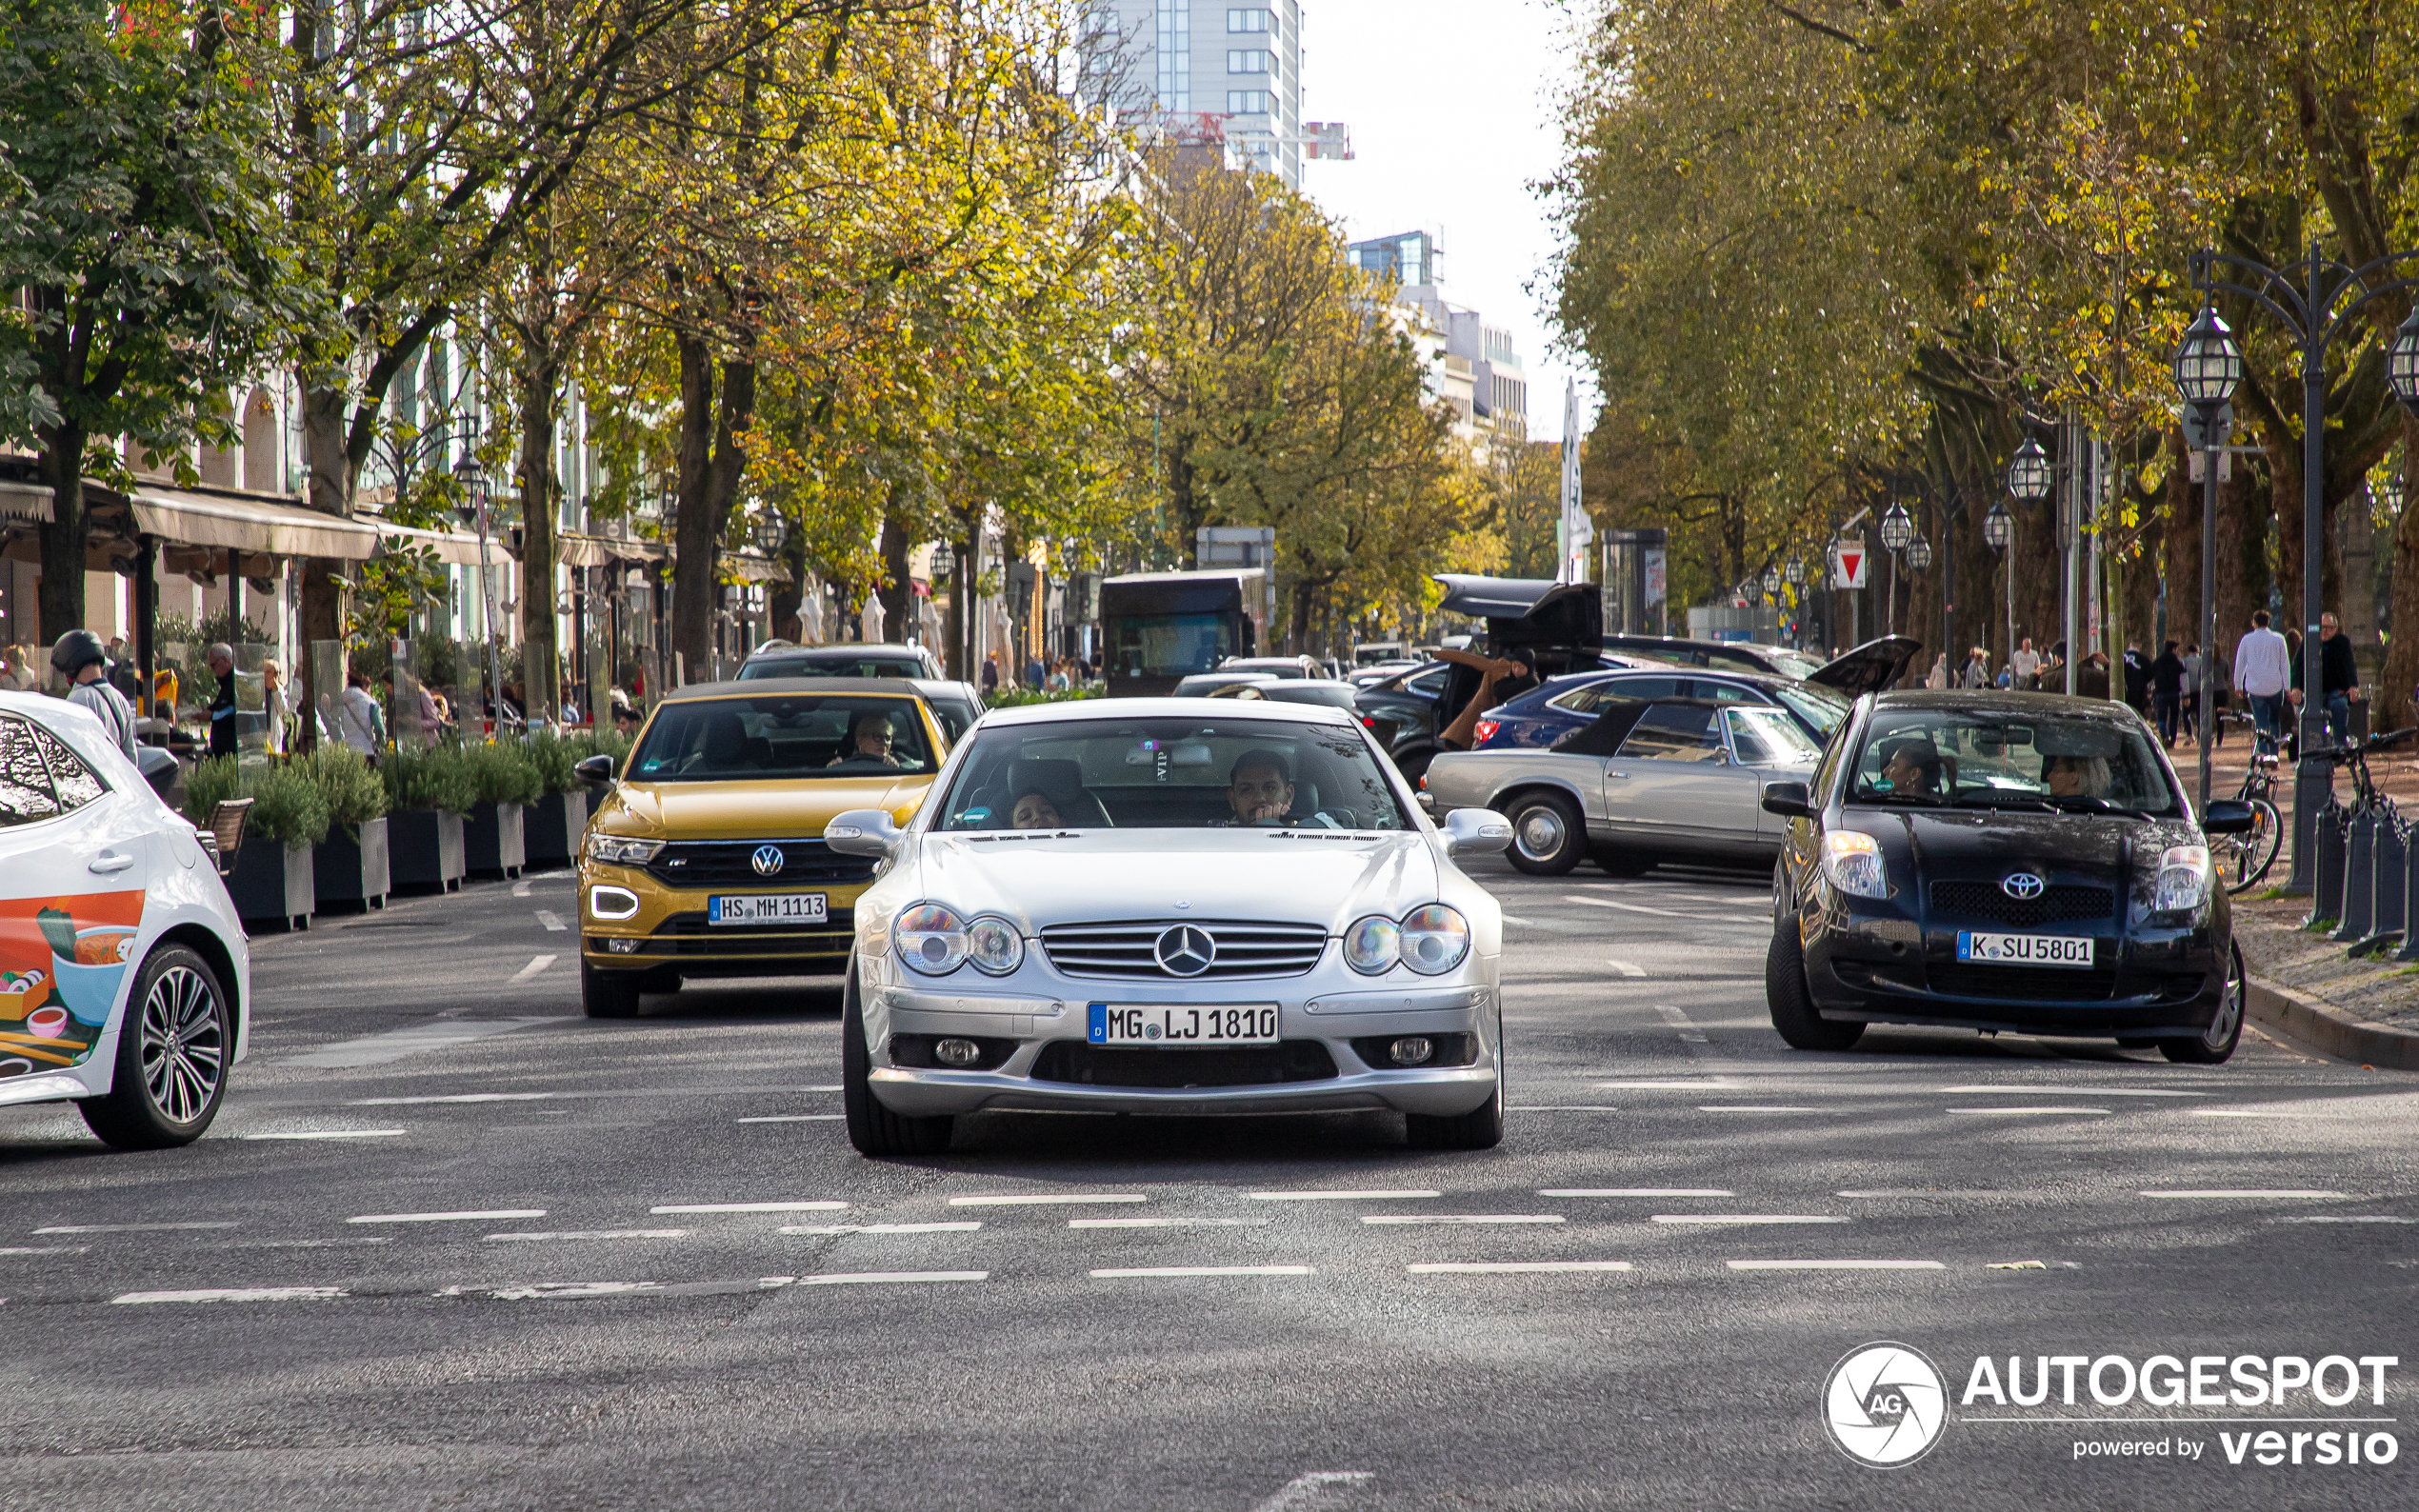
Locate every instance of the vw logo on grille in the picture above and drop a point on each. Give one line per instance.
(1185, 951)
(2022, 886)
(767, 860)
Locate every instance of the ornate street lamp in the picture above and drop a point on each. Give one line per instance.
(2208, 366)
(2029, 476)
(1919, 553)
(1999, 528)
(1772, 582)
(2402, 362)
(1898, 528)
(1796, 571)
(471, 480)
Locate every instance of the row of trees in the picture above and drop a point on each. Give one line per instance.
(873, 270)
(1831, 253)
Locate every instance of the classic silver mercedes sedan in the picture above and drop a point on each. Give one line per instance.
(1164, 906)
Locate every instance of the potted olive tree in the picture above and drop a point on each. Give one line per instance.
(351, 864)
(428, 792)
(271, 883)
(504, 782)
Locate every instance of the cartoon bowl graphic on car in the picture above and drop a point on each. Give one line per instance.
(91, 990)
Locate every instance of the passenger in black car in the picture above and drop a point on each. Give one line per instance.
(1913, 765)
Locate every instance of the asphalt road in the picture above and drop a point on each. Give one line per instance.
(452, 1245)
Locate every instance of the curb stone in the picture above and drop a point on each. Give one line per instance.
(2324, 1028)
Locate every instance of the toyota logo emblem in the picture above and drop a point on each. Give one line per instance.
(1185, 951)
(2023, 887)
(768, 860)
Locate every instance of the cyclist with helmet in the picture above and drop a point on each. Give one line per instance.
(80, 657)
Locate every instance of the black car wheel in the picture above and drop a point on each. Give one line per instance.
(2224, 1031)
(174, 1044)
(872, 1128)
(1784, 995)
(607, 994)
(1548, 836)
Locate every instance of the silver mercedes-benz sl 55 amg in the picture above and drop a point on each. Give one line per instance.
(1167, 905)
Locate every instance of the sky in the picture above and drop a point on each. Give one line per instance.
(1453, 114)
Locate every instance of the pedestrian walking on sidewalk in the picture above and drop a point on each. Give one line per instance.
(2167, 692)
(2263, 670)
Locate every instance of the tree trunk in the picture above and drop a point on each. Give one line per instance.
(328, 485)
(788, 599)
(60, 464)
(713, 416)
(897, 593)
(2395, 699)
(961, 658)
(540, 677)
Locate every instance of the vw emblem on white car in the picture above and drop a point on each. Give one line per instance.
(2022, 886)
(767, 860)
(1185, 951)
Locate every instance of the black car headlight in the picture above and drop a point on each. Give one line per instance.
(2184, 879)
(1852, 864)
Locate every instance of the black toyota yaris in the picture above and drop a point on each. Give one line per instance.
(2014, 862)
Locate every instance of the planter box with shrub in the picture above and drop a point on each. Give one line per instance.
(352, 865)
(271, 883)
(273, 880)
(424, 850)
(492, 837)
(551, 835)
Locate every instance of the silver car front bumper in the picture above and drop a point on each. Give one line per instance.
(1314, 1008)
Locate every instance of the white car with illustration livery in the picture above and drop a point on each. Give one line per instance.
(125, 980)
(1158, 906)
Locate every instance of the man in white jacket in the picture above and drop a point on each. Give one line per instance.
(2263, 669)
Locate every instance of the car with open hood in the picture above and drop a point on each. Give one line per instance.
(2013, 862)
(1170, 906)
(706, 856)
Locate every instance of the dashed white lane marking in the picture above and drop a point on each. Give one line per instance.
(1834, 1264)
(127, 1228)
(1758, 1107)
(45, 1250)
(1514, 1268)
(1749, 922)
(466, 1216)
(1625, 967)
(537, 963)
(878, 1278)
(1748, 1218)
(594, 1233)
(235, 1294)
(2021, 1112)
(1046, 1199)
(2244, 1191)
(810, 1205)
(1635, 1191)
(962, 1227)
(1339, 1195)
(574, 1290)
(1166, 1223)
(327, 1134)
(418, 1039)
(2033, 1089)
(1563, 1108)
(521, 888)
(1688, 1031)
(553, 921)
(2360, 1218)
(1404, 1219)
(2259, 1112)
(542, 1097)
(795, 1118)
(1138, 1272)
(1317, 1488)
(1716, 1085)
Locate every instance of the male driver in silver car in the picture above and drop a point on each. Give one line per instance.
(1260, 789)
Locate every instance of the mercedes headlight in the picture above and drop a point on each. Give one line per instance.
(621, 850)
(2184, 879)
(994, 945)
(1852, 862)
(1435, 938)
(1372, 945)
(930, 939)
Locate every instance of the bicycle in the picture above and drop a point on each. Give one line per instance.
(2245, 858)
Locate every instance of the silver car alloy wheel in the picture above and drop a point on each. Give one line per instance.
(2230, 1007)
(184, 1044)
(1540, 833)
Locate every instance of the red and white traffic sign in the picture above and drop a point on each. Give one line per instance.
(1847, 567)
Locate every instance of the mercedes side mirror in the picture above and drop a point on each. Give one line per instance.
(862, 832)
(1788, 800)
(597, 769)
(2229, 816)
(1475, 832)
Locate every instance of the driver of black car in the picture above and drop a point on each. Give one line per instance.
(2071, 776)
(1913, 765)
(870, 739)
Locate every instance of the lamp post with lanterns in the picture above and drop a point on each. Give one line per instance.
(2314, 298)
(2031, 476)
(470, 484)
(1794, 574)
(2208, 369)
(1999, 529)
(1898, 528)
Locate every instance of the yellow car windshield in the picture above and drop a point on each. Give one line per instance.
(787, 738)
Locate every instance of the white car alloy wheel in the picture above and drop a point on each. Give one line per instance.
(184, 1044)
